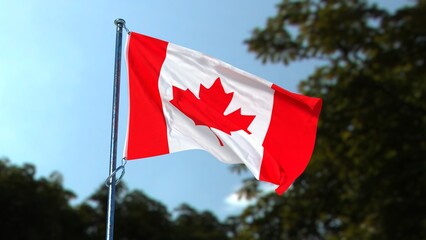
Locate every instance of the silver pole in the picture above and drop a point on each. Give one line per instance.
(114, 130)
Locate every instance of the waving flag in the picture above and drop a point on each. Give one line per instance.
(181, 99)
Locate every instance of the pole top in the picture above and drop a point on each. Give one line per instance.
(119, 21)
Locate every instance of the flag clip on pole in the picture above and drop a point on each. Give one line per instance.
(111, 180)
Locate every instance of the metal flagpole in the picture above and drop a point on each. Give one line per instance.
(111, 181)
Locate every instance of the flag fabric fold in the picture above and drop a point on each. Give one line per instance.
(180, 99)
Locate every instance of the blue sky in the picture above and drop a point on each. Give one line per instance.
(56, 76)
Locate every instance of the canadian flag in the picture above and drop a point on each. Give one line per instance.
(181, 99)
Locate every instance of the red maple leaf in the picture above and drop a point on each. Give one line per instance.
(209, 109)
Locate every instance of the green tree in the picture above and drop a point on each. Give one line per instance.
(137, 216)
(40, 209)
(366, 178)
(193, 225)
(35, 208)
(140, 217)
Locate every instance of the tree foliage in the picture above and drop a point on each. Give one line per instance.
(35, 208)
(366, 179)
(40, 209)
(137, 216)
(193, 225)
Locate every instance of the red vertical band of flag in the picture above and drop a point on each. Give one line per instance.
(148, 135)
(290, 139)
